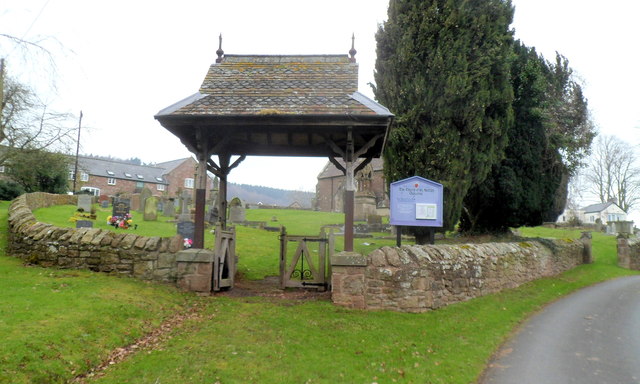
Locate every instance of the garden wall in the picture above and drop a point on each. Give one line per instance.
(125, 253)
(421, 278)
(629, 252)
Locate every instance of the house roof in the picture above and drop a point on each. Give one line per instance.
(278, 105)
(330, 169)
(169, 166)
(597, 207)
(121, 170)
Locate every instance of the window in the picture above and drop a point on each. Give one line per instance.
(160, 187)
(94, 191)
(140, 177)
(128, 175)
(188, 183)
(110, 173)
(72, 175)
(111, 181)
(139, 184)
(1, 168)
(84, 176)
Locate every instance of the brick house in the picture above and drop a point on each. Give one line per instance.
(110, 177)
(330, 186)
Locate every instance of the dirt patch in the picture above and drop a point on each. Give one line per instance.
(270, 287)
(146, 342)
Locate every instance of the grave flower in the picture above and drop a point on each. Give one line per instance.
(187, 242)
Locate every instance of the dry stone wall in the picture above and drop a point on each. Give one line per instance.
(125, 253)
(421, 278)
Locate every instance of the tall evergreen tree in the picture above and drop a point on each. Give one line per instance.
(520, 189)
(443, 69)
(550, 137)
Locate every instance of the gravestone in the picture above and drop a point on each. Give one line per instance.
(169, 208)
(186, 229)
(212, 215)
(84, 203)
(84, 224)
(134, 202)
(104, 204)
(150, 209)
(185, 202)
(237, 211)
(144, 195)
(121, 207)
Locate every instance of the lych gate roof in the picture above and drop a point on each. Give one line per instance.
(278, 105)
(269, 85)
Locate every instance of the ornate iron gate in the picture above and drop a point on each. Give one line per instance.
(304, 269)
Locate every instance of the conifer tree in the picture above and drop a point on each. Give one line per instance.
(443, 69)
(549, 139)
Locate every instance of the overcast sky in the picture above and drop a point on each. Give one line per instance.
(120, 62)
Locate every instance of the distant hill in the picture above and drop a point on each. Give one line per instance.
(269, 196)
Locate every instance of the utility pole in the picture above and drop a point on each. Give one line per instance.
(75, 169)
(1, 85)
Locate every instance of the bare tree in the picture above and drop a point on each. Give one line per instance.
(614, 172)
(26, 122)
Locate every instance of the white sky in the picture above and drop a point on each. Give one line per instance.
(121, 61)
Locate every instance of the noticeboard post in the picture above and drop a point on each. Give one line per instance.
(416, 202)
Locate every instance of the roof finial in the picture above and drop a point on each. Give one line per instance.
(219, 52)
(352, 51)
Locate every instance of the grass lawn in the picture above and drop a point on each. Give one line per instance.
(58, 323)
(266, 340)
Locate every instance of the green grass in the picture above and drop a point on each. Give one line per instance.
(265, 340)
(58, 323)
(262, 341)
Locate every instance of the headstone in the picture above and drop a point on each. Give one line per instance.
(84, 224)
(121, 207)
(185, 210)
(144, 195)
(169, 208)
(84, 203)
(135, 202)
(186, 229)
(212, 214)
(237, 211)
(104, 204)
(151, 209)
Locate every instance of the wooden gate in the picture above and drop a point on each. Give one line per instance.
(304, 269)
(224, 265)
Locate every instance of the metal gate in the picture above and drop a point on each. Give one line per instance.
(304, 269)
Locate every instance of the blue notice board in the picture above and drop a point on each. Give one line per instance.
(416, 202)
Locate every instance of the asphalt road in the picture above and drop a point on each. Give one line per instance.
(591, 336)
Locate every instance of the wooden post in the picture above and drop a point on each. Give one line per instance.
(200, 195)
(398, 235)
(349, 193)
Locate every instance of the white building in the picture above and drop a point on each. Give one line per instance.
(604, 212)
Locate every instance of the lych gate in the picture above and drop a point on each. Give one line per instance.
(304, 105)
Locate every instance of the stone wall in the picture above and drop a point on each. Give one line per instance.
(421, 278)
(122, 252)
(629, 252)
